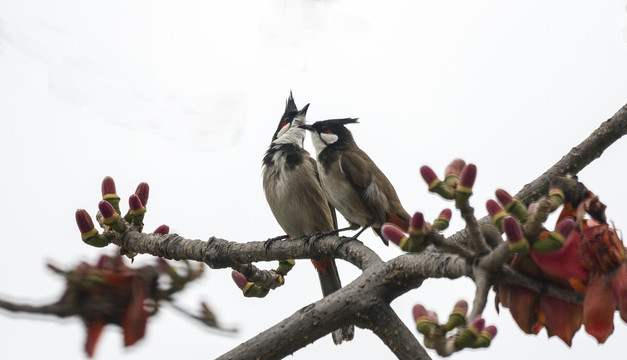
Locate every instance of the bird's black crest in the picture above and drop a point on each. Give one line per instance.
(290, 105)
(333, 122)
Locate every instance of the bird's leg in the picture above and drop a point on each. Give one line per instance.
(271, 241)
(332, 232)
(354, 237)
(315, 237)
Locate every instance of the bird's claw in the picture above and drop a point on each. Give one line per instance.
(269, 242)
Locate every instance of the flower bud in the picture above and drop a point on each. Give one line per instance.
(109, 193)
(393, 233)
(551, 241)
(142, 192)
(110, 217)
(515, 238)
(89, 234)
(417, 225)
(512, 205)
(239, 279)
(83, 220)
(485, 338)
(424, 319)
(106, 209)
(443, 220)
(135, 204)
(497, 213)
(430, 177)
(108, 186)
(162, 229)
(458, 316)
(136, 212)
(464, 188)
(452, 172)
(436, 185)
(469, 335)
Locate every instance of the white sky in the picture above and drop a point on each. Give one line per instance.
(186, 96)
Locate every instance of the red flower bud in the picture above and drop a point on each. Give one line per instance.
(106, 209)
(455, 167)
(517, 242)
(493, 208)
(392, 233)
(565, 226)
(162, 229)
(417, 222)
(419, 311)
(458, 316)
(134, 202)
(490, 331)
(497, 213)
(142, 192)
(503, 196)
(239, 278)
(428, 175)
(468, 176)
(108, 186)
(443, 220)
(478, 324)
(446, 214)
(84, 222)
(461, 307)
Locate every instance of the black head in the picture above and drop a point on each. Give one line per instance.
(292, 117)
(331, 132)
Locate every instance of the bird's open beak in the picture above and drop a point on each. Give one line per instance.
(303, 111)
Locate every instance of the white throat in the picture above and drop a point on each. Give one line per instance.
(321, 140)
(293, 135)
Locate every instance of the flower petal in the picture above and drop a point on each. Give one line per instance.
(562, 319)
(598, 308)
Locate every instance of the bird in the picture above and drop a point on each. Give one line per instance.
(295, 196)
(352, 182)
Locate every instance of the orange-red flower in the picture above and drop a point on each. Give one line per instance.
(593, 255)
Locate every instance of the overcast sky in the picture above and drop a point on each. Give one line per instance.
(186, 96)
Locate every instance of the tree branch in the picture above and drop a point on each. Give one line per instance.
(579, 156)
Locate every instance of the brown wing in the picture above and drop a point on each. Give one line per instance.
(359, 173)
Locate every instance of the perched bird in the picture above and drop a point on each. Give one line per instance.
(352, 182)
(293, 191)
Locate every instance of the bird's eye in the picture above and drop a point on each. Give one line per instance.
(327, 131)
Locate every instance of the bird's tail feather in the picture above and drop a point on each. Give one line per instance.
(330, 282)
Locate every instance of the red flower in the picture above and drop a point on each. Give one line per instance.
(598, 308)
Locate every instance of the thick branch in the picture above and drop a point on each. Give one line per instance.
(579, 156)
(219, 253)
(393, 332)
